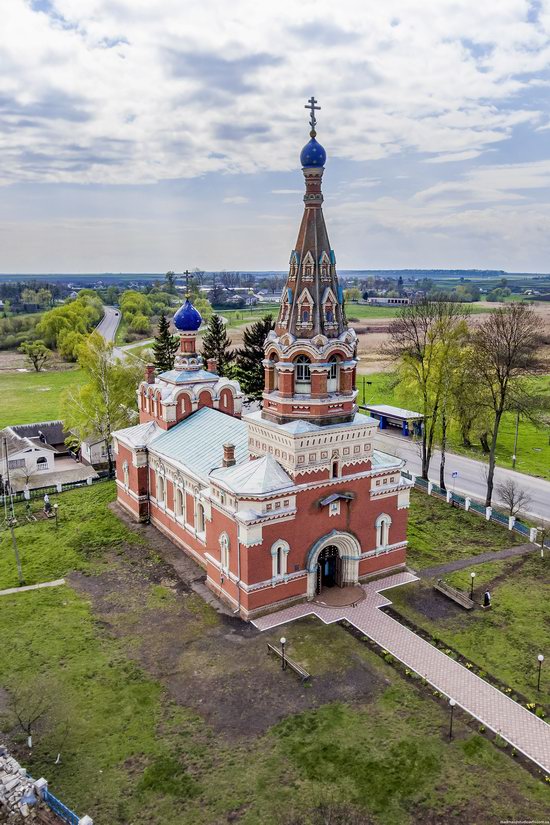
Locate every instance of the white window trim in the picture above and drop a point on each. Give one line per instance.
(279, 559)
(383, 524)
(224, 552)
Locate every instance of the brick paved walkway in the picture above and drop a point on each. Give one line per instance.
(521, 728)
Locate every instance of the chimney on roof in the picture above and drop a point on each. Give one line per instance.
(150, 374)
(212, 364)
(228, 455)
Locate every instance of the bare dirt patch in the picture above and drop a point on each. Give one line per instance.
(211, 662)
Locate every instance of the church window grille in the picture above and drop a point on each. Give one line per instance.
(303, 374)
(332, 380)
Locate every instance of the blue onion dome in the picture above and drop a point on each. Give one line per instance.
(313, 154)
(187, 318)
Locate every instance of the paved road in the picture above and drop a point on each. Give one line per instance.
(525, 731)
(109, 323)
(471, 474)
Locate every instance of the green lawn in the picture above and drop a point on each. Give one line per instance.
(132, 752)
(34, 396)
(533, 453)
(365, 311)
(504, 640)
(439, 533)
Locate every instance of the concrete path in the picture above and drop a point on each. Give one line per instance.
(471, 473)
(521, 728)
(460, 564)
(27, 587)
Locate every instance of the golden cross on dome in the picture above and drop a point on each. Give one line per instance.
(313, 108)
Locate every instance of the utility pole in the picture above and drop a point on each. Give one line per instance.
(515, 441)
(16, 553)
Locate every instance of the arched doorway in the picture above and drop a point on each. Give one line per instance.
(333, 561)
(329, 568)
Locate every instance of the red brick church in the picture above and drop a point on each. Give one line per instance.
(283, 502)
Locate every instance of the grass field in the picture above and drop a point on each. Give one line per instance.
(360, 739)
(34, 396)
(533, 453)
(438, 533)
(504, 640)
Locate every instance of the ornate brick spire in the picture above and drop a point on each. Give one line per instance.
(312, 302)
(310, 363)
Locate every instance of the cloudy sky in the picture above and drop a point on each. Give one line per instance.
(146, 135)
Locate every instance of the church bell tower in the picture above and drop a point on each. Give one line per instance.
(310, 358)
(309, 419)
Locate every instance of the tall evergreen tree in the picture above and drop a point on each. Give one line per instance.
(165, 346)
(216, 344)
(249, 368)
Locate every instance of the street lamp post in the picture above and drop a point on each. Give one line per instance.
(283, 661)
(55, 509)
(472, 577)
(540, 658)
(452, 704)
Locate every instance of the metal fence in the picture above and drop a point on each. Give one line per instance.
(52, 489)
(480, 509)
(60, 809)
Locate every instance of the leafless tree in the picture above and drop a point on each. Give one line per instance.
(198, 275)
(29, 705)
(505, 349)
(230, 279)
(512, 495)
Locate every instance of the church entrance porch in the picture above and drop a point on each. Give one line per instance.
(329, 568)
(351, 594)
(332, 563)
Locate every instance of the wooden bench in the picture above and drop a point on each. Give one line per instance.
(452, 593)
(298, 669)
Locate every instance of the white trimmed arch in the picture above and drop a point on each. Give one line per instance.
(382, 524)
(349, 551)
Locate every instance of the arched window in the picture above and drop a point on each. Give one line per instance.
(332, 378)
(200, 518)
(303, 374)
(224, 552)
(179, 503)
(383, 524)
(305, 315)
(279, 557)
(42, 463)
(329, 315)
(335, 469)
(161, 489)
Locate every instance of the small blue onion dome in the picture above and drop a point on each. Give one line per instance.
(313, 154)
(187, 318)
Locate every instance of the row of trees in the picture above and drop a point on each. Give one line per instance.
(65, 327)
(243, 365)
(468, 376)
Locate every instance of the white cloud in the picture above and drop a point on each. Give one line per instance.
(286, 191)
(236, 199)
(132, 91)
